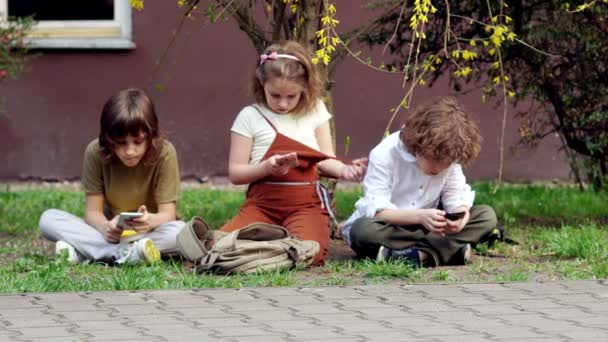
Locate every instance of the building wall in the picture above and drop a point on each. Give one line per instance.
(52, 111)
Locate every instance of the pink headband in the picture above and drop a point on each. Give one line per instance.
(273, 56)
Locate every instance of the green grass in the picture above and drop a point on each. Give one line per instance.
(20, 210)
(561, 231)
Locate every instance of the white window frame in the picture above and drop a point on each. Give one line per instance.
(83, 34)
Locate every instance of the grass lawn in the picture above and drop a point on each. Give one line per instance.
(562, 234)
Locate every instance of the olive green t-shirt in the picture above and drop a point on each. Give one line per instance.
(126, 188)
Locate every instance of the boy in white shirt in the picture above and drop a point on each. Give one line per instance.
(414, 179)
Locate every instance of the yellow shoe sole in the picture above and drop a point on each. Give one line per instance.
(151, 252)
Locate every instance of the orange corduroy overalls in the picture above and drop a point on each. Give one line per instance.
(296, 200)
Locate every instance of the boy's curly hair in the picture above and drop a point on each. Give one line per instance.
(442, 130)
(301, 71)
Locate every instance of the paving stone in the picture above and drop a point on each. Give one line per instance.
(432, 306)
(58, 297)
(219, 322)
(591, 335)
(286, 301)
(575, 298)
(157, 318)
(499, 310)
(59, 339)
(393, 336)
(318, 334)
(79, 305)
(446, 291)
(367, 327)
(35, 332)
(597, 307)
(250, 307)
(445, 329)
(378, 313)
(194, 302)
(463, 338)
(405, 298)
(564, 313)
(483, 288)
(243, 331)
(532, 304)
(410, 321)
(468, 301)
(119, 298)
(230, 295)
(282, 326)
(265, 338)
(337, 319)
(163, 295)
(382, 290)
(450, 316)
(281, 291)
(518, 333)
(507, 295)
(279, 314)
(138, 310)
(548, 339)
(29, 313)
(93, 326)
(7, 303)
(591, 286)
(316, 309)
(362, 304)
(542, 288)
(336, 292)
(204, 312)
(99, 315)
(555, 311)
(39, 321)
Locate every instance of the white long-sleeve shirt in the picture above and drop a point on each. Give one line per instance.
(394, 181)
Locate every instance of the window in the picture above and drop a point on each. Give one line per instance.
(104, 24)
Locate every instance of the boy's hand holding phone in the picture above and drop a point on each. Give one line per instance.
(111, 232)
(455, 220)
(141, 222)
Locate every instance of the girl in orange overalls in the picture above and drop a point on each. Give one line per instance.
(280, 145)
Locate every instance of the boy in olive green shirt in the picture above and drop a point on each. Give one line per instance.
(128, 168)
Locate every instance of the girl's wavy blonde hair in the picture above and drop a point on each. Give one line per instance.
(443, 131)
(301, 71)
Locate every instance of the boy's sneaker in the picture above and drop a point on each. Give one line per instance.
(410, 255)
(73, 256)
(140, 251)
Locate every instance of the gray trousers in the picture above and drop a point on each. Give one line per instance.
(58, 225)
(368, 234)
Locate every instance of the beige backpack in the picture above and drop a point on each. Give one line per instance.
(256, 247)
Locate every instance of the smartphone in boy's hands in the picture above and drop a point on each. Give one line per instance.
(125, 216)
(454, 216)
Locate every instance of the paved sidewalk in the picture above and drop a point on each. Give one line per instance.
(555, 311)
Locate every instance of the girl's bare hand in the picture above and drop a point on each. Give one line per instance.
(355, 171)
(277, 165)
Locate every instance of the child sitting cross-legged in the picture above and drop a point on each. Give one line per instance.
(413, 181)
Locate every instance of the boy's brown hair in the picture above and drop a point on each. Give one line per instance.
(129, 112)
(301, 71)
(442, 130)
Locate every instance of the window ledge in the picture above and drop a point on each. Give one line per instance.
(78, 43)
